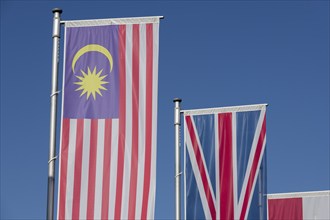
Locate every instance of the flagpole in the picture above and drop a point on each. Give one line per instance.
(53, 106)
(260, 193)
(177, 124)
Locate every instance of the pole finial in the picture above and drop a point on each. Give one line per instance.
(57, 10)
(177, 100)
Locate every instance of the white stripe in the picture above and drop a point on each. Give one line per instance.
(142, 122)
(99, 169)
(152, 191)
(198, 178)
(203, 159)
(85, 169)
(251, 156)
(128, 135)
(217, 164)
(70, 171)
(298, 194)
(317, 207)
(113, 168)
(185, 170)
(197, 175)
(234, 147)
(255, 179)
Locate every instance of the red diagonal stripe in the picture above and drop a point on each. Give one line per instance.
(201, 166)
(254, 168)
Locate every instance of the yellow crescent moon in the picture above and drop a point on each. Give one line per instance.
(90, 48)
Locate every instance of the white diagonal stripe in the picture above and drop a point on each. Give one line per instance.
(234, 156)
(217, 165)
(250, 160)
(197, 172)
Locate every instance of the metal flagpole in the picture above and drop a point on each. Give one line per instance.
(177, 124)
(53, 106)
(260, 193)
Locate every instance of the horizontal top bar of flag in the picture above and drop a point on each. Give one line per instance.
(298, 194)
(242, 108)
(112, 21)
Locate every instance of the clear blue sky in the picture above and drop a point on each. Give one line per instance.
(212, 54)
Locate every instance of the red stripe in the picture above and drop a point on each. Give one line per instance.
(288, 209)
(254, 168)
(122, 119)
(106, 169)
(148, 137)
(64, 165)
(201, 167)
(226, 166)
(92, 170)
(77, 169)
(135, 121)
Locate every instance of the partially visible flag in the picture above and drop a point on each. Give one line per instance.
(109, 119)
(225, 163)
(299, 206)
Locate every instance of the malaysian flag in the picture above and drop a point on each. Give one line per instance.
(225, 163)
(109, 119)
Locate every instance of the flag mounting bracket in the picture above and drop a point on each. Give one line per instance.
(54, 158)
(179, 174)
(55, 93)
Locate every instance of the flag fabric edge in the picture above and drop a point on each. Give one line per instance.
(112, 21)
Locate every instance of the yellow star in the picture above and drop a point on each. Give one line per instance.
(91, 83)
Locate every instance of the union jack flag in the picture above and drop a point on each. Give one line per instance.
(225, 163)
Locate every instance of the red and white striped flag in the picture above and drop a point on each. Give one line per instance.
(299, 205)
(109, 119)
